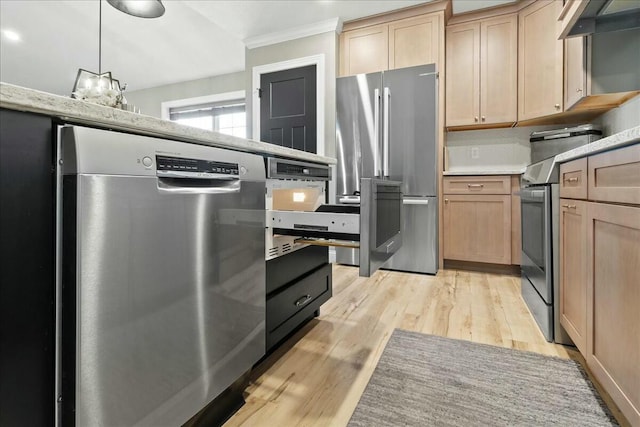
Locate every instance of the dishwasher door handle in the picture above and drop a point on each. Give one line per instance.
(198, 186)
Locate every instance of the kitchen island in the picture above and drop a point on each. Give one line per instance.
(30, 217)
(80, 112)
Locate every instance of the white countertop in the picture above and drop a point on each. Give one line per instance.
(620, 139)
(518, 171)
(73, 110)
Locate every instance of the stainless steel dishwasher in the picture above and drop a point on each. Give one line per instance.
(162, 276)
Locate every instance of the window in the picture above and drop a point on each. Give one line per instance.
(227, 117)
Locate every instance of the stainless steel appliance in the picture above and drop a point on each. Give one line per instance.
(162, 282)
(386, 129)
(539, 198)
(296, 208)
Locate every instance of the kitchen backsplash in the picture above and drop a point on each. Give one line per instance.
(493, 149)
(624, 117)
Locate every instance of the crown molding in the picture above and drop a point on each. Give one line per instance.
(395, 15)
(333, 24)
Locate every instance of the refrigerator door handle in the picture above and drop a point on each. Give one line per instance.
(385, 135)
(376, 131)
(415, 201)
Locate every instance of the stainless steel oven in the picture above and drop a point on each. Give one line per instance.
(540, 199)
(539, 249)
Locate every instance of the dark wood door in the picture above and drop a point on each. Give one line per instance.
(288, 108)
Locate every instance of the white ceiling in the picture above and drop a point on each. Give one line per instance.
(194, 39)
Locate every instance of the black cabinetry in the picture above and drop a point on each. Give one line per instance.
(27, 265)
(297, 285)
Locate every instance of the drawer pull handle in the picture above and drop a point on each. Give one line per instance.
(475, 185)
(302, 301)
(574, 179)
(569, 206)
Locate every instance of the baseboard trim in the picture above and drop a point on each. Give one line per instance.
(482, 267)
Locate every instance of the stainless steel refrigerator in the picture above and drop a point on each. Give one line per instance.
(386, 128)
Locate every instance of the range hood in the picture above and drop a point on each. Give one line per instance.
(600, 16)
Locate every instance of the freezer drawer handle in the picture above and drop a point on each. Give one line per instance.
(302, 301)
(415, 201)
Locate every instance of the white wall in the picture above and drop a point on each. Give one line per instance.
(149, 100)
(325, 43)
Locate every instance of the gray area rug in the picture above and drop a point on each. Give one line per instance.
(424, 380)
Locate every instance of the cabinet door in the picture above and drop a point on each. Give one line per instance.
(573, 270)
(365, 50)
(499, 70)
(614, 176)
(477, 228)
(414, 41)
(575, 71)
(540, 60)
(27, 269)
(613, 301)
(463, 74)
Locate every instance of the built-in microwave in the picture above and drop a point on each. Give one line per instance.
(298, 214)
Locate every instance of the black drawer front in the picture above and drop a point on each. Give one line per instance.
(287, 268)
(285, 304)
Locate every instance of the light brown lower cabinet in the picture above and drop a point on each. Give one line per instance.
(573, 274)
(477, 228)
(613, 301)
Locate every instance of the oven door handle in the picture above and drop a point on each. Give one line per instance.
(532, 194)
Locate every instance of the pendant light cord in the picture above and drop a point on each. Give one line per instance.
(100, 38)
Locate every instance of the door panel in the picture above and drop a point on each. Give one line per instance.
(288, 108)
(179, 291)
(499, 70)
(358, 130)
(419, 252)
(364, 50)
(463, 74)
(412, 128)
(413, 41)
(27, 269)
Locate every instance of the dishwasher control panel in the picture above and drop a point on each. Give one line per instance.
(180, 164)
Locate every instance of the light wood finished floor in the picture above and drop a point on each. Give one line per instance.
(317, 377)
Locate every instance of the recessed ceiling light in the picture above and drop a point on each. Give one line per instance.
(11, 35)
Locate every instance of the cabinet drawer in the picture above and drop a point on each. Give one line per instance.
(297, 296)
(614, 176)
(477, 185)
(573, 179)
(286, 268)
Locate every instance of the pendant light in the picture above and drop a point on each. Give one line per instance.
(101, 88)
(139, 8)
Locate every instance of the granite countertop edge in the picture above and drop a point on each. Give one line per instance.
(518, 171)
(618, 140)
(68, 109)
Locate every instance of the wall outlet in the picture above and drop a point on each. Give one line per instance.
(475, 153)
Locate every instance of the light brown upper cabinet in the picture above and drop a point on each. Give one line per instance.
(482, 72)
(396, 44)
(413, 41)
(575, 71)
(540, 63)
(364, 50)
